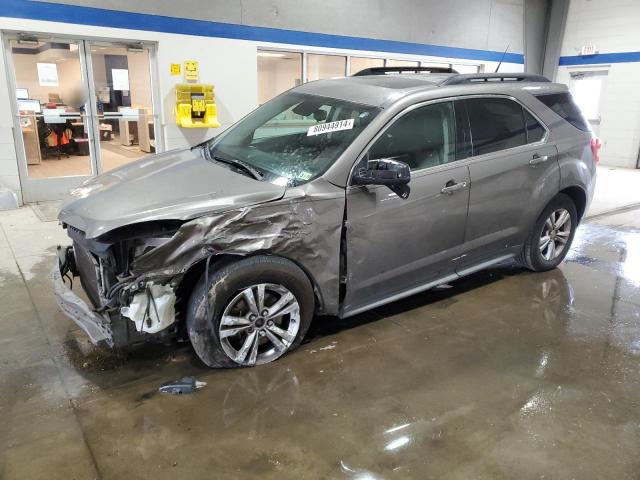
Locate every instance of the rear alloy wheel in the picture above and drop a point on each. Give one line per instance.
(555, 234)
(259, 324)
(551, 236)
(249, 312)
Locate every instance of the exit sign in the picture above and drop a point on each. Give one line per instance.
(588, 50)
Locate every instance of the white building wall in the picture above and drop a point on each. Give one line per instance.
(613, 26)
(231, 65)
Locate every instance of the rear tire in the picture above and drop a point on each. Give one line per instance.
(551, 236)
(259, 309)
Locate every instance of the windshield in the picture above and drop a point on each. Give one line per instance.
(293, 138)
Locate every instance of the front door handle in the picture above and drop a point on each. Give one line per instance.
(451, 187)
(537, 159)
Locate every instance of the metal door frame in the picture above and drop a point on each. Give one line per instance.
(43, 189)
(579, 74)
(153, 84)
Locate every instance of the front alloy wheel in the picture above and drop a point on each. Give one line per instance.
(259, 324)
(250, 311)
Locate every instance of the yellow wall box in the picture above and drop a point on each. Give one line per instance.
(196, 106)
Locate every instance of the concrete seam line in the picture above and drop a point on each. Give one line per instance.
(615, 211)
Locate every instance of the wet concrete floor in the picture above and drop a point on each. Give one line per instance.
(508, 374)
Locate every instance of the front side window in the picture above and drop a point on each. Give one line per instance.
(422, 138)
(293, 138)
(496, 124)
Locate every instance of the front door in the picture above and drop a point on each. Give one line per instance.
(395, 245)
(81, 108)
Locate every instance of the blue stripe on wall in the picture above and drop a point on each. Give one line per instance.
(156, 23)
(621, 57)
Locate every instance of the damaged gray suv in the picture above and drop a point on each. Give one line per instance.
(331, 199)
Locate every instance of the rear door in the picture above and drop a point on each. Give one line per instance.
(514, 173)
(396, 245)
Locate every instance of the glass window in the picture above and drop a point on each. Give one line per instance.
(535, 131)
(52, 117)
(360, 63)
(462, 68)
(277, 72)
(293, 138)
(422, 138)
(325, 66)
(435, 64)
(122, 79)
(563, 105)
(586, 91)
(402, 63)
(496, 124)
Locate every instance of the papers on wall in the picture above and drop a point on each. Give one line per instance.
(120, 78)
(104, 94)
(47, 74)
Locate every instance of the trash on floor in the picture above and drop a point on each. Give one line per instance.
(184, 385)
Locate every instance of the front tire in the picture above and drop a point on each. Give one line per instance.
(552, 234)
(259, 309)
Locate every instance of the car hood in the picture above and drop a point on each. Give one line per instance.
(176, 185)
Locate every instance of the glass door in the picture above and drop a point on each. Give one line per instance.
(81, 108)
(53, 134)
(124, 117)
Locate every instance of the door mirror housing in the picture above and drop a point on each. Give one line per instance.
(385, 171)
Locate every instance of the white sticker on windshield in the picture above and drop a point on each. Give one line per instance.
(330, 127)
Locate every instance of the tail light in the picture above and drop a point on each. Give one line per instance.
(595, 149)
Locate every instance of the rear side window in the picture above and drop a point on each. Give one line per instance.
(563, 105)
(496, 124)
(535, 131)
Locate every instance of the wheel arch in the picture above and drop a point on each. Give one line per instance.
(579, 197)
(195, 271)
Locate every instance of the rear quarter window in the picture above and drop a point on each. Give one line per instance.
(563, 105)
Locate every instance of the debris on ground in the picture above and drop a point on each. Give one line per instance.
(184, 385)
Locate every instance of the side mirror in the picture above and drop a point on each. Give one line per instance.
(385, 171)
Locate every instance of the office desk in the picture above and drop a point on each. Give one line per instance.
(29, 127)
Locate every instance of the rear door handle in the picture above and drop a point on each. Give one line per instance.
(537, 159)
(452, 187)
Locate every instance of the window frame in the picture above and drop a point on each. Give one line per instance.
(542, 141)
(456, 162)
(409, 111)
(390, 123)
(587, 125)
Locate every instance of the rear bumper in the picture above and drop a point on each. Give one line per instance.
(95, 325)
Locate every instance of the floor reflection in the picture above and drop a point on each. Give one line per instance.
(508, 374)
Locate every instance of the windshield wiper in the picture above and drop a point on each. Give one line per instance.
(239, 164)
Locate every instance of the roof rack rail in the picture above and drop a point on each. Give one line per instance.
(494, 77)
(385, 70)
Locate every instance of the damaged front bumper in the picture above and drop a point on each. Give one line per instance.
(96, 325)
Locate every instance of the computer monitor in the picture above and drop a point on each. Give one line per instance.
(29, 105)
(22, 93)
